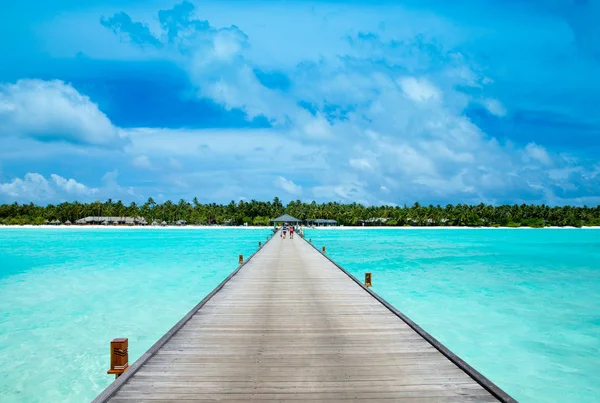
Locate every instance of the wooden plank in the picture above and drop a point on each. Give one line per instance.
(293, 326)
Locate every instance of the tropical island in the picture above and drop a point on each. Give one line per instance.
(260, 213)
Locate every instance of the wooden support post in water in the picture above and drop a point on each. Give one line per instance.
(119, 356)
(368, 279)
(241, 259)
(259, 244)
(323, 250)
(310, 240)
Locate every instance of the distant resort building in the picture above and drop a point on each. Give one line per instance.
(288, 219)
(321, 222)
(99, 220)
(373, 221)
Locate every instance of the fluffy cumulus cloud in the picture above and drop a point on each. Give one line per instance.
(51, 111)
(35, 187)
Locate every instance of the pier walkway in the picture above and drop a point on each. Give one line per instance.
(290, 325)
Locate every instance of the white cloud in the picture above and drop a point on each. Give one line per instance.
(347, 191)
(419, 90)
(318, 127)
(287, 185)
(141, 162)
(54, 111)
(538, 153)
(495, 107)
(35, 187)
(113, 189)
(71, 186)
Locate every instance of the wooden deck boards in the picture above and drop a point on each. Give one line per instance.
(291, 326)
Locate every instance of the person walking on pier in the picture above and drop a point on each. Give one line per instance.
(291, 232)
(284, 230)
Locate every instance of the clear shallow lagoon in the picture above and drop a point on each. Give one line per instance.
(65, 293)
(522, 306)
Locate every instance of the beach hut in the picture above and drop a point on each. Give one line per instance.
(164, 223)
(180, 222)
(155, 223)
(55, 222)
(67, 222)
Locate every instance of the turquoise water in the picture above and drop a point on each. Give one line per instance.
(522, 306)
(65, 293)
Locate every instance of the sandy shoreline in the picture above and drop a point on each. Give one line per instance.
(218, 227)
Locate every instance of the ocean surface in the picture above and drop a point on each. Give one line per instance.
(522, 306)
(66, 293)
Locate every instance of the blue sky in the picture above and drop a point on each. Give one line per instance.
(387, 102)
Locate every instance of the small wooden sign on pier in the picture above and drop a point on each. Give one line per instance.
(119, 356)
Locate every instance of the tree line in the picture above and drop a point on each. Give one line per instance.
(260, 213)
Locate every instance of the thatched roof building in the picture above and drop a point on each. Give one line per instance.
(99, 220)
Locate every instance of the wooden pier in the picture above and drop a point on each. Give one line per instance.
(291, 325)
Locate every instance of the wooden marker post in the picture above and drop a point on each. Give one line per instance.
(368, 280)
(323, 250)
(310, 240)
(259, 244)
(241, 259)
(119, 357)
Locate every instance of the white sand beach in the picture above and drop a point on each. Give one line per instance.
(223, 227)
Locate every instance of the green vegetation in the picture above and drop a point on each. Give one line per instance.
(259, 213)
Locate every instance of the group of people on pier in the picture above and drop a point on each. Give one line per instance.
(289, 228)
